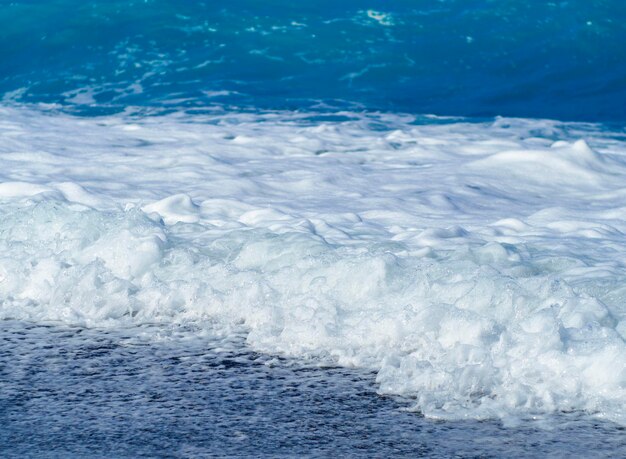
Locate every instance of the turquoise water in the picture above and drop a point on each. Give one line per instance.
(559, 59)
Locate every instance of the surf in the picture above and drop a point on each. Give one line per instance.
(475, 267)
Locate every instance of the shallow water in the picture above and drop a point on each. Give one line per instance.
(94, 393)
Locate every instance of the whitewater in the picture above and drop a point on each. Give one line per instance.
(477, 267)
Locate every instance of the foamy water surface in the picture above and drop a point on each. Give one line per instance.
(475, 269)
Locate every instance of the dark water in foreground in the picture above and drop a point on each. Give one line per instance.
(69, 392)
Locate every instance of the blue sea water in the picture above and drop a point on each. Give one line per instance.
(545, 59)
(268, 228)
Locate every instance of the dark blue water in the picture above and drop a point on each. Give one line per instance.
(555, 59)
(72, 392)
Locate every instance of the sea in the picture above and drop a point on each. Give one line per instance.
(312, 229)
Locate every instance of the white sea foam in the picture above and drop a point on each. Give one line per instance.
(477, 267)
